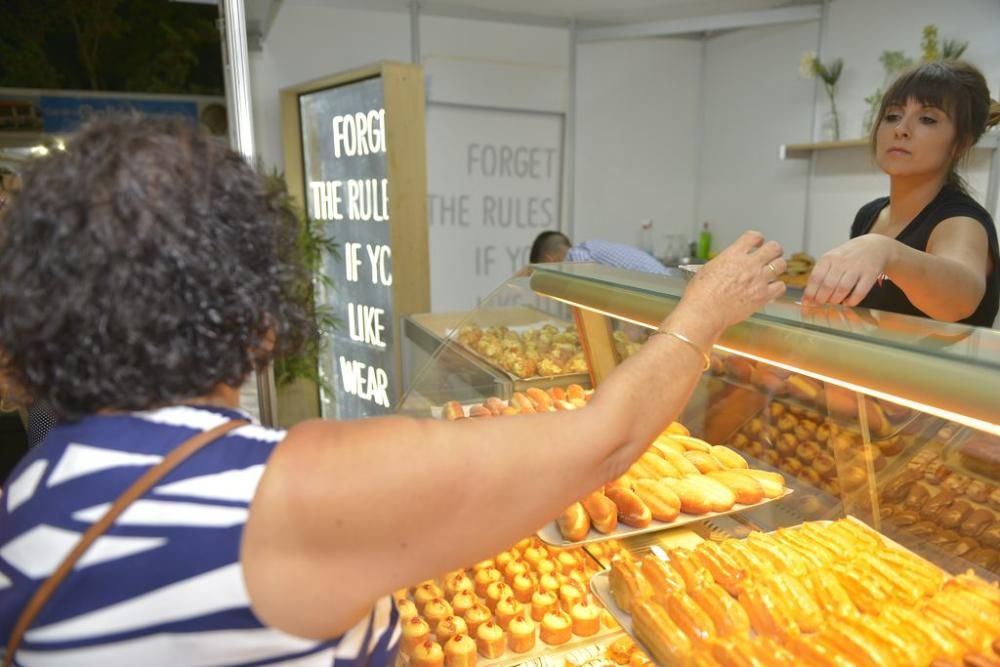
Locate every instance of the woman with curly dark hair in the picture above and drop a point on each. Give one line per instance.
(145, 280)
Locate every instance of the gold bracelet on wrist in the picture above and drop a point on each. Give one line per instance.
(684, 339)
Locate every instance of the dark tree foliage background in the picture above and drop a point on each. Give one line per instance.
(151, 46)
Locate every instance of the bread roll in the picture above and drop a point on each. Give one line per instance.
(658, 632)
(627, 583)
(663, 503)
(689, 617)
(728, 617)
(724, 569)
(663, 578)
(691, 443)
(631, 510)
(541, 400)
(602, 511)
(728, 458)
(574, 523)
(703, 461)
(658, 466)
(747, 489)
(694, 498)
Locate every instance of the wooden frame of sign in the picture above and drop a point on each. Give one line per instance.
(355, 159)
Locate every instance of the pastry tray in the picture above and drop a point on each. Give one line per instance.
(600, 585)
(550, 532)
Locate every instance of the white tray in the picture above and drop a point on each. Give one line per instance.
(550, 532)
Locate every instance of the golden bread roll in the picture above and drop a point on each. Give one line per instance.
(747, 489)
(479, 411)
(602, 511)
(522, 402)
(703, 461)
(625, 481)
(694, 498)
(691, 443)
(677, 428)
(728, 617)
(627, 583)
(728, 458)
(664, 444)
(663, 578)
(631, 510)
(804, 388)
(453, 410)
(722, 498)
(658, 466)
(680, 463)
(541, 400)
(574, 523)
(658, 633)
(772, 483)
(663, 503)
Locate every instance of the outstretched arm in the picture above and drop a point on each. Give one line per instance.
(349, 511)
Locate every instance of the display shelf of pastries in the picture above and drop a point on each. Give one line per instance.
(822, 593)
(524, 602)
(948, 513)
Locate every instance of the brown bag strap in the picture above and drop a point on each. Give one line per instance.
(137, 490)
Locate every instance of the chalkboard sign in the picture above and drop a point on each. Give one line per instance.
(358, 179)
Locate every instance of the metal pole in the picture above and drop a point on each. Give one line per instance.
(569, 138)
(414, 32)
(236, 63)
(824, 16)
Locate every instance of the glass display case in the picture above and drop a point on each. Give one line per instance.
(889, 420)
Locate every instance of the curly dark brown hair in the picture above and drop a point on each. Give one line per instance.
(144, 266)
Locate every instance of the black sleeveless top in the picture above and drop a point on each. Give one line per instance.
(949, 203)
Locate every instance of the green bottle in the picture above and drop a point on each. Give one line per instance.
(704, 243)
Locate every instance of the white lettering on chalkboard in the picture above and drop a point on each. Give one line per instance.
(351, 261)
(364, 324)
(359, 133)
(364, 381)
(368, 199)
(326, 199)
(380, 256)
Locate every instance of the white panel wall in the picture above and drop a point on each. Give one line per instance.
(754, 102)
(635, 142)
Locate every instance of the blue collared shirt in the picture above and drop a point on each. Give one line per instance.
(615, 254)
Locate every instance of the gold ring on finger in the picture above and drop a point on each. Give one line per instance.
(773, 270)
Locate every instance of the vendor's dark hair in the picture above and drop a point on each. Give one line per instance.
(144, 266)
(956, 87)
(546, 243)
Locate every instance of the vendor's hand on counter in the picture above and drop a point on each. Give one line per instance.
(846, 274)
(740, 280)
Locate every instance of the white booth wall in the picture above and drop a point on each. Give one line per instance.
(667, 129)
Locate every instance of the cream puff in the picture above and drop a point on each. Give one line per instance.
(491, 640)
(435, 610)
(460, 651)
(476, 616)
(497, 591)
(507, 609)
(503, 558)
(556, 628)
(534, 554)
(415, 631)
(514, 568)
(586, 617)
(424, 593)
(521, 634)
(524, 587)
(570, 595)
(462, 602)
(567, 560)
(449, 627)
(457, 583)
(484, 578)
(549, 582)
(546, 566)
(406, 608)
(427, 654)
(542, 602)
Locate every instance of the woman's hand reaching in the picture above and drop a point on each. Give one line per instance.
(846, 274)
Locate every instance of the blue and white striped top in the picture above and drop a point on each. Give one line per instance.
(610, 253)
(164, 585)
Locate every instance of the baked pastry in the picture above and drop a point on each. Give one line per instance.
(476, 616)
(507, 609)
(728, 617)
(548, 565)
(631, 510)
(521, 634)
(460, 651)
(406, 608)
(424, 593)
(523, 586)
(978, 491)
(449, 627)
(746, 489)
(435, 610)
(586, 617)
(627, 583)
(484, 578)
(548, 582)
(980, 453)
(505, 557)
(807, 452)
(786, 444)
(535, 553)
(556, 627)
(658, 632)
(415, 631)
(570, 594)
(491, 640)
(462, 602)
(514, 568)
(890, 446)
(497, 591)
(728, 458)
(427, 654)
(542, 602)
(457, 583)
(483, 565)
(662, 501)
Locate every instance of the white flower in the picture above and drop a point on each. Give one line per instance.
(807, 65)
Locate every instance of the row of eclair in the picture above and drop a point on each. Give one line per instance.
(821, 594)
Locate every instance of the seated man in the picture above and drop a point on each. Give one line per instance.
(556, 247)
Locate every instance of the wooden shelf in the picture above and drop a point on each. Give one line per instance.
(989, 141)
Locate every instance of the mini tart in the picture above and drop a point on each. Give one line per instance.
(476, 617)
(449, 627)
(484, 578)
(514, 568)
(569, 595)
(507, 609)
(491, 640)
(556, 628)
(542, 602)
(567, 560)
(546, 566)
(505, 557)
(460, 651)
(534, 554)
(523, 586)
(435, 610)
(550, 582)
(497, 591)
(406, 608)
(521, 634)
(415, 631)
(462, 602)
(427, 654)
(586, 617)
(457, 583)
(424, 593)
